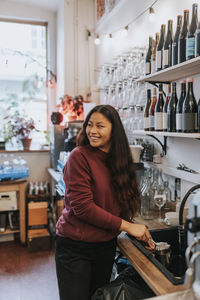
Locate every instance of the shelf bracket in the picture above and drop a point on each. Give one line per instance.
(163, 145)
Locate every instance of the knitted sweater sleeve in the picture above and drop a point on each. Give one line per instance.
(79, 194)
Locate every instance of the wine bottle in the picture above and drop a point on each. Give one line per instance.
(197, 41)
(159, 50)
(146, 110)
(167, 49)
(190, 110)
(198, 115)
(190, 41)
(182, 38)
(148, 57)
(175, 41)
(152, 111)
(159, 109)
(171, 111)
(153, 56)
(179, 107)
(165, 107)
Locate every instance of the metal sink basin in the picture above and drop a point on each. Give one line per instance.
(177, 266)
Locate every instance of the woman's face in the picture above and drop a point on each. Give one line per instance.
(98, 131)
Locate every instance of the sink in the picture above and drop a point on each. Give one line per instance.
(177, 266)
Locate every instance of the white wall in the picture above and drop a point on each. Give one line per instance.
(179, 150)
(75, 54)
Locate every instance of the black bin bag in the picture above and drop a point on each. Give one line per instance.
(127, 286)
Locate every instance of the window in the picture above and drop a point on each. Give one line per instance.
(23, 71)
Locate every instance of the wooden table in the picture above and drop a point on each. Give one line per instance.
(155, 279)
(18, 186)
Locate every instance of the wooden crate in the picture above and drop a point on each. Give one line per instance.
(37, 213)
(39, 240)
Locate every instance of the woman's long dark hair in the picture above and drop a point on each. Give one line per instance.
(119, 162)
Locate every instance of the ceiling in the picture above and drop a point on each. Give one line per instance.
(46, 4)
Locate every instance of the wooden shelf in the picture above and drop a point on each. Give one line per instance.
(171, 134)
(187, 176)
(177, 72)
(9, 231)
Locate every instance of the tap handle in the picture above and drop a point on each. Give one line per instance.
(189, 274)
(189, 277)
(189, 250)
(193, 225)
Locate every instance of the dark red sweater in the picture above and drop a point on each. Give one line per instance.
(91, 212)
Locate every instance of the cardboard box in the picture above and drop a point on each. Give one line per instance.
(39, 240)
(37, 213)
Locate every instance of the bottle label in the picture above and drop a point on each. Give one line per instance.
(197, 43)
(190, 47)
(158, 120)
(147, 68)
(166, 58)
(151, 121)
(146, 123)
(165, 120)
(158, 60)
(190, 122)
(179, 125)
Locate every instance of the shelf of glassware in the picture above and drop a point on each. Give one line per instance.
(170, 134)
(185, 69)
(187, 176)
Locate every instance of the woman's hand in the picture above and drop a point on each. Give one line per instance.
(139, 231)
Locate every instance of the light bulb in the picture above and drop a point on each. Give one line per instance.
(151, 15)
(125, 31)
(97, 40)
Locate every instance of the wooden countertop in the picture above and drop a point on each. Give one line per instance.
(155, 279)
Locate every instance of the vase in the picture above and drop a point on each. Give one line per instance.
(26, 143)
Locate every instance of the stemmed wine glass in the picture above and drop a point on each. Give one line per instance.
(160, 200)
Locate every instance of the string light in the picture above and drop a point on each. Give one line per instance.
(123, 31)
(97, 40)
(151, 14)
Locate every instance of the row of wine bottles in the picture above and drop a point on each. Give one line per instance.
(172, 114)
(168, 49)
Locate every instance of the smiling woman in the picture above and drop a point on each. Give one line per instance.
(101, 199)
(98, 131)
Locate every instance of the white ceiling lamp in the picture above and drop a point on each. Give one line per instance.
(97, 40)
(125, 31)
(151, 14)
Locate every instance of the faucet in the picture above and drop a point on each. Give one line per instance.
(181, 227)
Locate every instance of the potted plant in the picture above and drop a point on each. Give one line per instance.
(20, 127)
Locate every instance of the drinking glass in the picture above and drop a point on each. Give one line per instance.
(159, 201)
